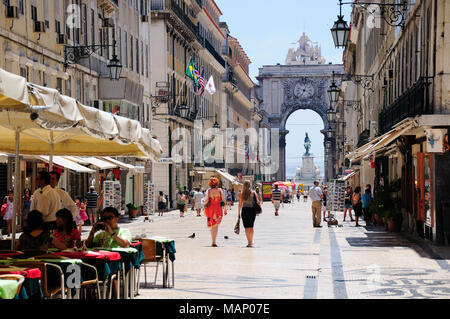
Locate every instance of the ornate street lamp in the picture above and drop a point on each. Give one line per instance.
(183, 111)
(330, 132)
(331, 115)
(115, 68)
(216, 124)
(334, 91)
(340, 30)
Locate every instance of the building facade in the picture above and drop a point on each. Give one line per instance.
(396, 130)
(184, 31)
(68, 45)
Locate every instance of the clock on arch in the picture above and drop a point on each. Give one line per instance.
(304, 90)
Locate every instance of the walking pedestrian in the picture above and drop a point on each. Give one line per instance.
(248, 212)
(348, 203)
(283, 195)
(233, 196)
(366, 201)
(357, 204)
(92, 205)
(81, 214)
(305, 196)
(161, 204)
(298, 196)
(229, 199)
(26, 199)
(198, 198)
(316, 197)
(46, 200)
(188, 199)
(9, 212)
(276, 199)
(215, 207)
(325, 204)
(259, 195)
(182, 203)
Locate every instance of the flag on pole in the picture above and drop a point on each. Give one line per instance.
(210, 87)
(191, 72)
(201, 81)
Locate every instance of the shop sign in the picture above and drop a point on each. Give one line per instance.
(165, 161)
(435, 140)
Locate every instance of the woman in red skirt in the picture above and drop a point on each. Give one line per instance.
(214, 208)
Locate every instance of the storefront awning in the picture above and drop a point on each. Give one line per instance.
(119, 163)
(61, 161)
(346, 178)
(101, 165)
(227, 176)
(382, 141)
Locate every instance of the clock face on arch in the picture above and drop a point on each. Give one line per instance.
(304, 90)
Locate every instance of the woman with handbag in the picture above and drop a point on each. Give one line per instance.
(249, 207)
(9, 209)
(214, 208)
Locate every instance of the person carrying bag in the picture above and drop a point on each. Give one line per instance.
(249, 207)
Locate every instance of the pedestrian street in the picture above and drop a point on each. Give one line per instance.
(292, 260)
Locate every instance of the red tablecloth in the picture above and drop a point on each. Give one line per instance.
(105, 255)
(30, 273)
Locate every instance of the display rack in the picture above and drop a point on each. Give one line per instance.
(149, 198)
(336, 191)
(112, 194)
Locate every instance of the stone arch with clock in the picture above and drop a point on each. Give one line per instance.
(286, 89)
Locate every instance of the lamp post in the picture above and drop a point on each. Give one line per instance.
(340, 30)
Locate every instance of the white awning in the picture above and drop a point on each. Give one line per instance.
(346, 178)
(382, 141)
(101, 165)
(227, 176)
(61, 161)
(119, 163)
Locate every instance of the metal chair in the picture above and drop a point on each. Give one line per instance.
(149, 250)
(49, 273)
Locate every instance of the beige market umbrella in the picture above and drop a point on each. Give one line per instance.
(36, 120)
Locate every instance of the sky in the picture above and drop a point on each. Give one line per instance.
(266, 31)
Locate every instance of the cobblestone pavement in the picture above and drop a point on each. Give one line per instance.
(292, 260)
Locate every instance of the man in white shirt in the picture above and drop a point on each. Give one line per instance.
(66, 200)
(316, 196)
(46, 200)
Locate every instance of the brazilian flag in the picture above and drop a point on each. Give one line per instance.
(190, 72)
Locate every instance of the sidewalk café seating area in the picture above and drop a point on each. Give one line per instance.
(52, 273)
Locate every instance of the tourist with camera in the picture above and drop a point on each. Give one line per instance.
(111, 236)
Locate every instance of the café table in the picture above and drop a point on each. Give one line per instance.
(31, 287)
(166, 248)
(107, 263)
(8, 288)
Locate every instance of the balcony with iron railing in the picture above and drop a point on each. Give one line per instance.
(172, 6)
(214, 53)
(412, 103)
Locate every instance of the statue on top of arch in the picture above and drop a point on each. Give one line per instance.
(307, 53)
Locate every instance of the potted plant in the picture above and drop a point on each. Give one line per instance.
(376, 209)
(132, 210)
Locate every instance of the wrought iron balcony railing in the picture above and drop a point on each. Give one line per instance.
(412, 103)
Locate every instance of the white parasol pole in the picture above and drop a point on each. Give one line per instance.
(16, 190)
(52, 145)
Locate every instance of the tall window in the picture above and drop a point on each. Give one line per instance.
(126, 48)
(59, 85)
(131, 53)
(92, 26)
(119, 41)
(146, 61)
(137, 56)
(21, 7)
(33, 13)
(69, 86)
(57, 27)
(84, 23)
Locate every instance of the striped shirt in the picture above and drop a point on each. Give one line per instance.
(276, 194)
(91, 198)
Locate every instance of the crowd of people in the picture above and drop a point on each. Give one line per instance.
(48, 199)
